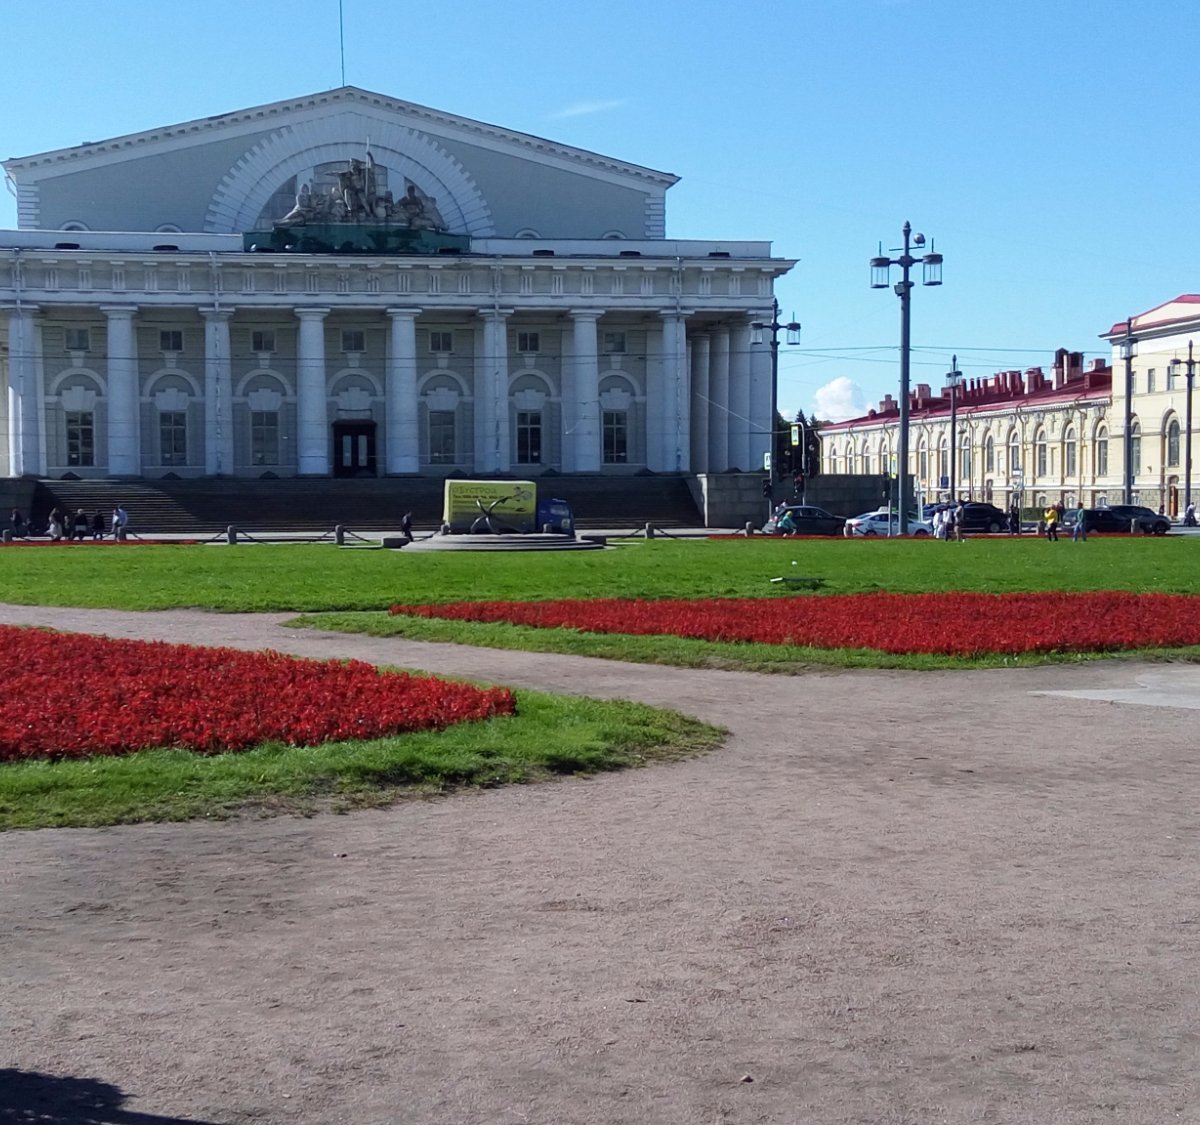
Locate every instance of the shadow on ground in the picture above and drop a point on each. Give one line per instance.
(28, 1098)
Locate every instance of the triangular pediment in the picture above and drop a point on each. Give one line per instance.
(241, 171)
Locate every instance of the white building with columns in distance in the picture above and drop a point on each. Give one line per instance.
(347, 284)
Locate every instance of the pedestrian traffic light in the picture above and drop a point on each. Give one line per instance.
(767, 490)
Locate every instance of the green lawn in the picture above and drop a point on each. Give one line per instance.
(548, 737)
(320, 578)
(351, 590)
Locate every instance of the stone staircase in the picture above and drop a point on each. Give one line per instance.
(207, 507)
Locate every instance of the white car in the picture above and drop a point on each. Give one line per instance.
(882, 522)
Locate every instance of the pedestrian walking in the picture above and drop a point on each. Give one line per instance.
(1080, 530)
(1050, 523)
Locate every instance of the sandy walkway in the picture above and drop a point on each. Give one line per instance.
(878, 916)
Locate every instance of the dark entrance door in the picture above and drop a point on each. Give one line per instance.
(354, 449)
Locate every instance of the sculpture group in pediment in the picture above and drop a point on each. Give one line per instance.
(357, 198)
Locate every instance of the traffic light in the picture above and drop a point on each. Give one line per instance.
(767, 489)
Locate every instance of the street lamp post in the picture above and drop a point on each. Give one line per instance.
(758, 327)
(880, 279)
(1187, 440)
(953, 378)
(1128, 351)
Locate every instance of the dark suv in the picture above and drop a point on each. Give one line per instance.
(1120, 517)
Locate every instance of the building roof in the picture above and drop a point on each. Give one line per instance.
(275, 113)
(1180, 309)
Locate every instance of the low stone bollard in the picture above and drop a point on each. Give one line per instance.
(749, 529)
(6, 537)
(649, 531)
(231, 535)
(339, 535)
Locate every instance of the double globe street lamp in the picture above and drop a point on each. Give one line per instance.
(880, 279)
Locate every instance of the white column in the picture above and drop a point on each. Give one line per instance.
(718, 393)
(312, 398)
(23, 393)
(700, 358)
(218, 393)
(491, 394)
(739, 399)
(656, 402)
(676, 454)
(582, 434)
(761, 422)
(400, 432)
(124, 422)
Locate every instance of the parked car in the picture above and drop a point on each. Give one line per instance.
(883, 522)
(1120, 517)
(977, 516)
(808, 521)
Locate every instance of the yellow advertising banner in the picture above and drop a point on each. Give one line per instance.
(512, 504)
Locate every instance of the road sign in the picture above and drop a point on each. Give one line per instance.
(795, 435)
(767, 461)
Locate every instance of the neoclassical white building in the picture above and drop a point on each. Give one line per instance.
(1058, 436)
(350, 284)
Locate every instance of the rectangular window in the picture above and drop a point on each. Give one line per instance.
(264, 437)
(1042, 467)
(1070, 458)
(616, 437)
(1150, 381)
(441, 437)
(1102, 457)
(170, 340)
(442, 342)
(76, 339)
(81, 440)
(262, 340)
(614, 343)
(172, 437)
(529, 437)
(1170, 376)
(352, 340)
(529, 342)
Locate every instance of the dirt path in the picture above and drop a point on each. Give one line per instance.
(891, 898)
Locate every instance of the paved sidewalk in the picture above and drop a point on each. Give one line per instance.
(890, 897)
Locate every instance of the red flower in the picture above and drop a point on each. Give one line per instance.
(955, 624)
(87, 695)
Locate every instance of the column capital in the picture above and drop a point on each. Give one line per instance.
(24, 307)
(311, 313)
(398, 313)
(586, 314)
(113, 312)
(495, 314)
(675, 314)
(216, 314)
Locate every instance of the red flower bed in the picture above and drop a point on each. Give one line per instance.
(955, 624)
(73, 696)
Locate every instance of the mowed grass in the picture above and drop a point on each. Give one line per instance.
(550, 736)
(323, 578)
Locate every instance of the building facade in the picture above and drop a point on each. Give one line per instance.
(1040, 438)
(349, 284)
(1028, 437)
(1157, 383)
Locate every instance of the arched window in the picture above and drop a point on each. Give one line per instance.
(943, 463)
(964, 459)
(866, 468)
(989, 455)
(1014, 451)
(1041, 455)
(1135, 458)
(1102, 452)
(1173, 442)
(1069, 449)
(923, 462)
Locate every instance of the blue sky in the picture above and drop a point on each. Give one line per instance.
(1045, 147)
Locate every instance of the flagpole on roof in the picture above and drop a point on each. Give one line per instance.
(342, 39)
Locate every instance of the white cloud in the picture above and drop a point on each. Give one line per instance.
(582, 109)
(840, 399)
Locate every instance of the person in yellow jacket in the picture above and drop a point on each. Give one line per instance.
(1050, 519)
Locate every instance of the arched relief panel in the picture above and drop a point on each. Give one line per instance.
(172, 378)
(295, 149)
(262, 379)
(76, 377)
